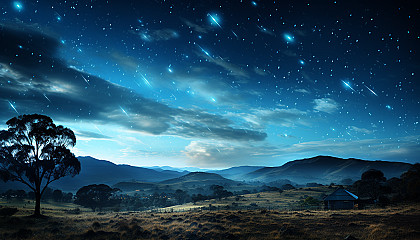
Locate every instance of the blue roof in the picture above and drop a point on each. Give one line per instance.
(341, 195)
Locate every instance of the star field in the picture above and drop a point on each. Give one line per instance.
(218, 83)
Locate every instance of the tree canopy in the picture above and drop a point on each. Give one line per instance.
(35, 152)
(96, 196)
(219, 191)
(373, 174)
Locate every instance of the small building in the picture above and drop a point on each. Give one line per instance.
(340, 199)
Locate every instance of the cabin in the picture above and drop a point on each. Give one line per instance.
(340, 199)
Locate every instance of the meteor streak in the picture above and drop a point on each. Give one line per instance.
(234, 33)
(87, 81)
(214, 20)
(374, 93)
(204, 51)
(146, 81)
(46, 97)
(122, 109)
(13, 107)
(348, 85)
(98, 129)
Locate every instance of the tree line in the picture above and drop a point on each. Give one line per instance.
(374, 186)
(49, 194)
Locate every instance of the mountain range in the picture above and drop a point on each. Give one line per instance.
(198, 179)
(325, 170)
(236, 173)
(190, 182)
(96, 171)
(320, 169)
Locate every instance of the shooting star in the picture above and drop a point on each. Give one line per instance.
(13, 107)
(145, 80)
(122, 109)
(137, 82)
(374, 93)
(234, 34)
(58, 16)
(215, 20)
(87, 81)
(46, 97)
(348, 85)
(204, 51)
(98, 129)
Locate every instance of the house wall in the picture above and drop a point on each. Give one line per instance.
(339, 205)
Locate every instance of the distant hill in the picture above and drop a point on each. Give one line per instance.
(135, 186)
(320, 169)
(191, 182)
(184, 169)
(198, 179)
(236, 173)
(96, 171)
(325, 169)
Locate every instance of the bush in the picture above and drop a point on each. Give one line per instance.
(8, 211)
(310, 201)
(287, 187)
(74, 211)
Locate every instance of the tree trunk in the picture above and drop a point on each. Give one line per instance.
(37, 204)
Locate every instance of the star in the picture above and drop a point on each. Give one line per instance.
(18, 6)
(289, 38)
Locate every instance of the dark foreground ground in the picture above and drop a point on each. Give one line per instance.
(398, 222)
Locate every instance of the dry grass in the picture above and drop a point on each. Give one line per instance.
(27, 206)
(398, 222)
(270, 200)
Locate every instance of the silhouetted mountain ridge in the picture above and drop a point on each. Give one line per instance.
(201, 178)
(320, 169)
(236, 173)
(96, 171)
(326, 169)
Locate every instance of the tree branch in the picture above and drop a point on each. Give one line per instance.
(20, 179)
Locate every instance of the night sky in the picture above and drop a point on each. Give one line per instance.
(217, 83)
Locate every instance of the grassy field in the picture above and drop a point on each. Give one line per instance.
(394, 222)
(286, 200)
(26, 207)
(398, 222)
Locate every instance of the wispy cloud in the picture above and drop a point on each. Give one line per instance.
(158, 35)
(126, 62)
(212, 154)
(232, 69)
(301, 90)
(360, 130)
(260, 118)
(204, 154)
(260, 71)
(66, 94)
(326, 105)
(398, 149)
(87, 135)
(196, 27)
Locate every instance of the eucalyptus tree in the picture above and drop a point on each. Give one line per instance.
(35, 152)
